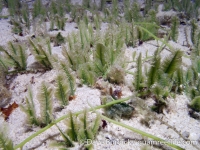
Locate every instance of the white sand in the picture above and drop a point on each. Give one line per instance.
(177, 115)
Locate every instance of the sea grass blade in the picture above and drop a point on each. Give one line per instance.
(142, 133)
(20, 145)
(67, 141)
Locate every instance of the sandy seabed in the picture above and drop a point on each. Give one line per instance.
(174, 122)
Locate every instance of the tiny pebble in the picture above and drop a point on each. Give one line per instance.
(185, 134)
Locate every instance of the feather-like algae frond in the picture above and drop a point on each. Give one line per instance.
(196, 64)
(85, 131)
(189, 76)
(5, 142)
(69, 76)
(100, 58)
(13, 6)
(45, 99)
(38, 9)
(172, 62)
(2, 74)
(80, 129)
(179, 80)
(195, 104)
(75, 57)
(69, 55)
(62, 90)
(159, 94)
(158, 91)
(194, 31)
(16, 56)
(72, 126)
(29, 109)
(174, 28)
(23, 57)
(96, 124)
(153, 71)
(26, 15)
(138, 73)
(86, 74)
(135, 12)
(41, 55)
(163, 79)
